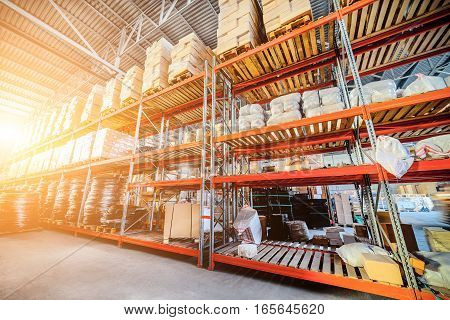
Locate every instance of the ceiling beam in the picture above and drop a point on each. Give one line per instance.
(60, 35)
(51, 50)
(9, 109)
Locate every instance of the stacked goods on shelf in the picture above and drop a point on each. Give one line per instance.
(18, 211)
(73, 114)
(131, 85)
(156, 72)
(51, 124)
(59, 121)
(74, 201)
(376, 91)
(298, 230)
(251, 116)
(82, 149)
(111, 98)
(111, 144)
(285, 109)
(188, 58)
(277, 13)
(49, 200)
(334, 235)
(331, 100)
(65, 154)
(61, 200)
(424, 84)
(240, 25)
(111, 200)
(41, 190)
(91, 213)
(91, 111)
(311, 104)
(438, 239)
(434, 147)
(343, 209)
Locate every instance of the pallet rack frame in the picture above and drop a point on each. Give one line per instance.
(220, 183)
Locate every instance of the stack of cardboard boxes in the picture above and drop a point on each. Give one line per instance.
(131, 85)
(156, 72)
(111, 98)
(111, 144)
(73, 114)
(91, 111)
(240, 24)
(188, 57)
(59, 122)
(280, 12)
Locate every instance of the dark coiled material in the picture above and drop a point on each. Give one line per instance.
(47, 209)
(18, 211)
(105, 194)
(75, 198)
(41, 189)
(61, 200)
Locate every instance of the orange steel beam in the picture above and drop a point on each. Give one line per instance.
(193, 183)
(375, 288)
(310, 26)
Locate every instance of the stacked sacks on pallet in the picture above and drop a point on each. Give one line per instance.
(251, 116)
(41, 190)
(156, 72)
(331, 100)
(73, 113)
(74, 201)
(61, 199)
(49, 200)
(18, 211)
(376, 91)
(285, 109)
(280, 12)
(91, 111)
(91, 214)
(188, 57)
(240, 24)
(424, 84)
(112, 198)
(132, 85)
(311, 104)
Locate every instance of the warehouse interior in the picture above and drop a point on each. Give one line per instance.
(268, 149)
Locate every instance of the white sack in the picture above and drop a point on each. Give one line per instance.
(330, 96)
(247, 226)
(435, 147)
(313, 112)
(393, 156)
(284, 117)
(437, 268)
(330, 108)
(311, 99)
(247, 250)
(424, 84)
(257, 123)
(352, 253)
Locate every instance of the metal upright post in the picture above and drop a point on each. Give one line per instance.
(393, 212)
(131, 168)
(212, 164)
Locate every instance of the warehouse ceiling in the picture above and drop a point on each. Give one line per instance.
(52, 50)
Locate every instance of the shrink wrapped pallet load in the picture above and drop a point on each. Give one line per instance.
(311, 104)
(251, 116)
(111, 144)
(131, 85)
(331, 100)
(188, 57)
(424, 84)
(61, 199)
(73, 113)
(91, 111)
(277, 13)
(156, 71)
(240, 25)
(59, 121)
(376, 91)
(285, 109)
(82, 149)
(74, 200)
(65, 154)
(111, 98)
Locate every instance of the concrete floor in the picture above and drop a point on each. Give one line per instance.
(55, 265)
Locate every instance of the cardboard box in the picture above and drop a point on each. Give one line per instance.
(277, 13)
(132, 84)
(111, 98)
(91, 111)
(408, 232)
(156, 71)
(382, 268)
(438, 239)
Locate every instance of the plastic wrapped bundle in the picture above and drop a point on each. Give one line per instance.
(73, 113)
(91, 111)
(284, 117)
(251, 116)
(157, 65)
(49, 200)
(247, 226)
(330, 108)
(132, 84)
(112, 197)
(311, 100)
(91, 214)
(111, 144)
(330, 96)
(111, 98)
(61, 200)
(424, 84)
(18, 211)
(298, 230)
(74, 201)
(286, 103)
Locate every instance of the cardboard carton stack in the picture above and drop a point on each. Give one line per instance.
(438, 239)
(73, 113)
(111, 98)
(131, 85)
(334, 236)
(188, 57)
(156, 72)
(91, 111)
(277, 13)
(59, 122)
(240, 24)
(82, 148)
(111, 144)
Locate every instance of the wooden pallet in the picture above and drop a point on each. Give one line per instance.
(234, 52)
(289, 26)
(151, 91)
(186, 74)
(127, 101)
(106, 229)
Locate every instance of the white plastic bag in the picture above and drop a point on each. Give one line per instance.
(435, 147)
(313, 112)
(284, 117)
(247, 250)
(393, 156)
(330, 96)
(437, 268)
(247, 226)
(424, 84)
(330, 108)
(311, 100)
(352, 253)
